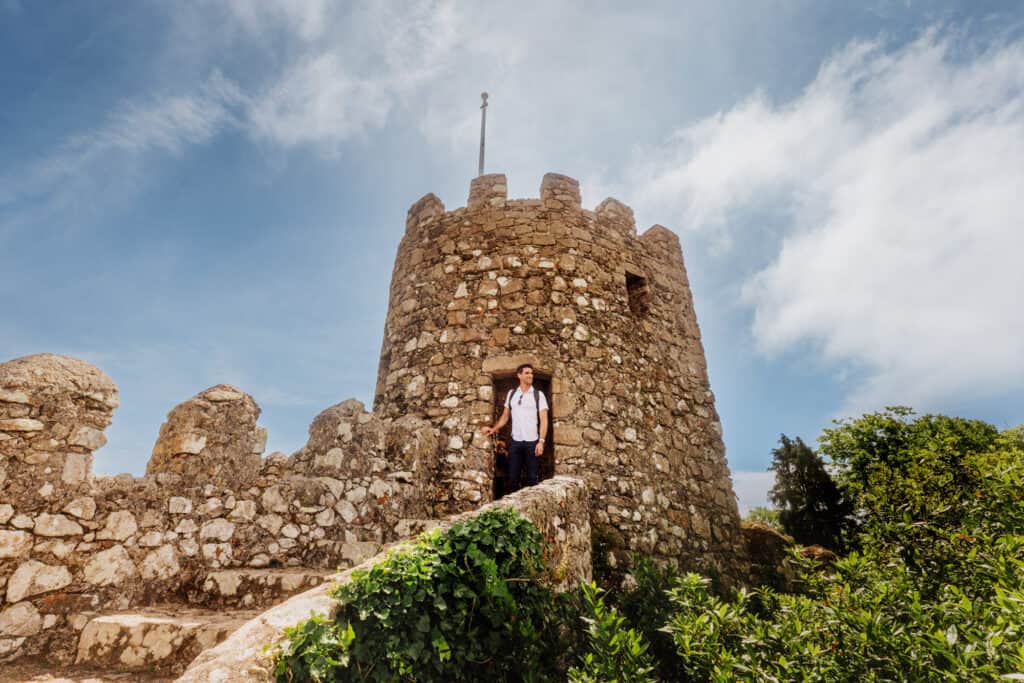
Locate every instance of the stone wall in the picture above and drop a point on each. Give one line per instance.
(606, 314)
(72, 544)
(559, 508)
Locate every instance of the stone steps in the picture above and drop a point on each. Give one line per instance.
(252, 588)
(154, 639)
(44, 672)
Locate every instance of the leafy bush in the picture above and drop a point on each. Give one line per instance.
(617, 652)
(464, 605)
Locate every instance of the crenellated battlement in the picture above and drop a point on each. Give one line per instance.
(557, 193)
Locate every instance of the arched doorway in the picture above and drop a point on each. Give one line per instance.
(502, 386)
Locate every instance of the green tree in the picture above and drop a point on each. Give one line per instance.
(894, 465)
(811, 507)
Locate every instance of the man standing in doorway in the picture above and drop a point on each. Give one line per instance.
(529, 412)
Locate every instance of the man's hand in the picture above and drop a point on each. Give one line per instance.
(538, 450)
(487, 431)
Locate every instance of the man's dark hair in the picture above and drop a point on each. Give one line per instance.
(523, 367)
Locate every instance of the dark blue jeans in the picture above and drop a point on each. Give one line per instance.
(521, 452)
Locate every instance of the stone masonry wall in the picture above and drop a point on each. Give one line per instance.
(607, 315)
(72, 544)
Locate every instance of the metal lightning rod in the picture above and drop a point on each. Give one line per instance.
(483, 130)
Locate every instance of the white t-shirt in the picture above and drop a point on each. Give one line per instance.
(524, 413)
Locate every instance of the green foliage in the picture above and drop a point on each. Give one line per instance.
(647, 607)
(463, 605)
(893, 465)
(866, 621)
(811, 508)
(936, 594)
(766, 515)
(617, 652)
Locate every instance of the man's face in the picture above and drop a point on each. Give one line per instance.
(526, 376)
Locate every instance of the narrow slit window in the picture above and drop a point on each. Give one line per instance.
(638, 293)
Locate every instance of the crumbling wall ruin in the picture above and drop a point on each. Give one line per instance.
(73, 544)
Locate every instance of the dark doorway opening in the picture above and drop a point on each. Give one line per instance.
(501, 440)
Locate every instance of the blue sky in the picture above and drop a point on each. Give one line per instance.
(203, 192)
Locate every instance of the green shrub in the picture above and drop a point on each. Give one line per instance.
(616, 652)
(648, 609)
(463, 605)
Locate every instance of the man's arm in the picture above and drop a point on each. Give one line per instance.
(487, 431)
(539, 450)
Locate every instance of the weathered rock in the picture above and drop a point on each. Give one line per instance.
(22, 619)
(21, 424)
(33, 578)
(56, 525)
(153, 640)
(210, 439)
(76, 468)
(83, 507)
(120, 526)
(160, 564)
(109, 567)
(14, 544)
(217, 529)
(88, 437)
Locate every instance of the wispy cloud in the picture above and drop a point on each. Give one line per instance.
(69, 175)
(307, 19)
(900, 175)
(333, 93)
(318, 101)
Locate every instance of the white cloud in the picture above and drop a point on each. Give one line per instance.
(318, 101)
(900, 174)
(167, 123)
(384, 57)
(752, 489)
(307, 19)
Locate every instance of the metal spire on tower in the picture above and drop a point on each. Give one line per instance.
(483, 130)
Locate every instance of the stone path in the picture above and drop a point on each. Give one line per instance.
(154, 644)
(41, 672)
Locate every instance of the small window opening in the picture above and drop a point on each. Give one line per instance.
(502, 387)
(638, 293)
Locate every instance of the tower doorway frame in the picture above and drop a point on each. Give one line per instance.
(502, 383)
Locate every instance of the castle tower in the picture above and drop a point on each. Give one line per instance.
(607, 319)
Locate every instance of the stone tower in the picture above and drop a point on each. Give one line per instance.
(607, 319)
